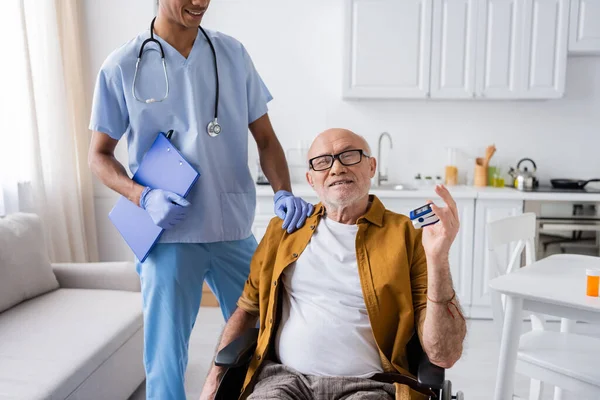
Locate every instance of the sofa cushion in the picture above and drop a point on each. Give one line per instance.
(52, 343)
(25, 270)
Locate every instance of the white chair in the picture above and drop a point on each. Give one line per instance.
(566, 360)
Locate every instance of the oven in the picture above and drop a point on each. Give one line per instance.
(566, 227)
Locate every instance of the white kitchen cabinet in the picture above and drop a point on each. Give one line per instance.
(457, 49)
(487, 211)
(453, 48)
(584, 27)
(259, 227)
(545, 44)
(522, 49)
(499, 51)
(387, 48)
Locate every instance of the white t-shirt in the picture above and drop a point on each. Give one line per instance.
(324, 327)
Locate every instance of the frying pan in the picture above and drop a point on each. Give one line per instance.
(570, 183)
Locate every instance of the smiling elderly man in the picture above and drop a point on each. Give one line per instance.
(339, 299)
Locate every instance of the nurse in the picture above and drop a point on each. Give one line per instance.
(210, 94)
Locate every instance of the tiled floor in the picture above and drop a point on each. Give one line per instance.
(474, 374)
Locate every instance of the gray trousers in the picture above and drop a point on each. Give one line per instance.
(278, 382)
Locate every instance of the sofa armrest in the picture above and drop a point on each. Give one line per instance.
(98, 275)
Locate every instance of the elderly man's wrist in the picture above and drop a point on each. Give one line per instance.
(438, 260)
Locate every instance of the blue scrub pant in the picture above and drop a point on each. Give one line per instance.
(171, 279)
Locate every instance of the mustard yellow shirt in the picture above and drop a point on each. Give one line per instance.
(393, 274)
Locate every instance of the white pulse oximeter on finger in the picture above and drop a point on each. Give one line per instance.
(423, 216)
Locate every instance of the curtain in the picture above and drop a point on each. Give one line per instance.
(44, 136)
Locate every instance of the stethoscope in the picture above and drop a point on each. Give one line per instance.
(213, 128)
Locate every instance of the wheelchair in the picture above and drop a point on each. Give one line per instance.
(236, 356)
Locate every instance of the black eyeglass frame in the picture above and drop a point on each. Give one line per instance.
(338, 157)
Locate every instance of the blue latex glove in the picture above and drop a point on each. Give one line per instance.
(292, 210)
(166, 208)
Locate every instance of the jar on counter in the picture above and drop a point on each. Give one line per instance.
(451, 170)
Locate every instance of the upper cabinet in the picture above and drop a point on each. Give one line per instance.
(453, 48)
(522, 49)
(388, 48)
(545, 45)
(499, 52)
(481, 49)
(584, 27)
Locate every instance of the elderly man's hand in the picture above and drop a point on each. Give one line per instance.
(438, 238)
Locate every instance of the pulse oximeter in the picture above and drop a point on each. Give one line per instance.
(423, 216)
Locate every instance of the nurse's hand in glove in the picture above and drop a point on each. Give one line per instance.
(166, 208)
(292, 210)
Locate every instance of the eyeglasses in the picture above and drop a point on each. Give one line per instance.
(347, 158)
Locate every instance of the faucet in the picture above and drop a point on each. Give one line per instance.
(382, 177)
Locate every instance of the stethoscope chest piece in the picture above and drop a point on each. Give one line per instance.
(214, 128)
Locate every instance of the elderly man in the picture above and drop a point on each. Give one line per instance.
(339, 299)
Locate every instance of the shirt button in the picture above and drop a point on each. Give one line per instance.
(274, 283)
(271, 321)
(312, 227)
(258, 358)
(295, 255)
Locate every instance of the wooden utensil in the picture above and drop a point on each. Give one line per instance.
(481, 167)
(489, 152)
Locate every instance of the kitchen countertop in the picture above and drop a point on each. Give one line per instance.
(458, 192)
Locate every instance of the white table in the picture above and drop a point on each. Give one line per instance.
(555, 285)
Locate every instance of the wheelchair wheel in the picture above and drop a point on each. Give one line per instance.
(447, 390)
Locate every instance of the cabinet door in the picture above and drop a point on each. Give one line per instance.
(453, 48)
(487, 211)
(259, 227)
(584, 35)
(387, 48)
(499, 48)
(545, 48)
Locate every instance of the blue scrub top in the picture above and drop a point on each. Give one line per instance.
(223, 200)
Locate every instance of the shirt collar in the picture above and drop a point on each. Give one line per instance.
(374, 214)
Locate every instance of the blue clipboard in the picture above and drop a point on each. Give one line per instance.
(162, 167)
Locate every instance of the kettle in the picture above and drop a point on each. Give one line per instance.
(524, 179)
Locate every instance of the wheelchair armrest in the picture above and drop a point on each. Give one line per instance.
(430, 375)
(239, 351)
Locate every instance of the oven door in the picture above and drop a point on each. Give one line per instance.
(567, 235)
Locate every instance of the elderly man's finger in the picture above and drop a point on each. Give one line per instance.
(444, 216)
(443, 192)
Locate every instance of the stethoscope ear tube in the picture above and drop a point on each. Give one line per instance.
(213, 128)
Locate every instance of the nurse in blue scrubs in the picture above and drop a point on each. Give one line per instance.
(208, 235)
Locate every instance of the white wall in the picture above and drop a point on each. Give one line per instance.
(297, 48)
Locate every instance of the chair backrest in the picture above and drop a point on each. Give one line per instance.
(519, 230)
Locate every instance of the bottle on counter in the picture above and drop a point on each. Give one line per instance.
(451, 177)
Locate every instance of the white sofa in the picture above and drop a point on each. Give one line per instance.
(67, 331)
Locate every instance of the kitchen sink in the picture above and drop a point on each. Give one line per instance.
(393, 186)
